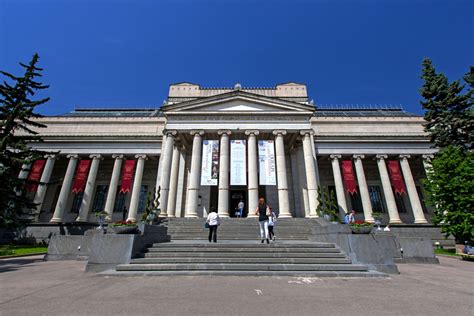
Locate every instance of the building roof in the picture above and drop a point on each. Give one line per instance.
(363, 112)
(113, 112)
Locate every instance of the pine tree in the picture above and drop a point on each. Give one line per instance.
(449, 113)
(17, 120)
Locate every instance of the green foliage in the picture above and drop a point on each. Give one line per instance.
(450, 188)
(327, 204)
(449, 113)
(16, 114)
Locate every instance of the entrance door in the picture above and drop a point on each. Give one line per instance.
(237, 195)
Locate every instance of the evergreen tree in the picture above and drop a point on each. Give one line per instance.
(450, 187)
(16, 123)
(449, 113)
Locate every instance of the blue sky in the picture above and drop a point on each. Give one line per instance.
(126, 53)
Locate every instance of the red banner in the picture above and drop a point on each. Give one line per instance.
(396, 176)
(81, 176)
(35, 175)
(127, 175)
(349, 176)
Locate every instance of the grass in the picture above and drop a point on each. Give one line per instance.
(20, 250)
(446, 252)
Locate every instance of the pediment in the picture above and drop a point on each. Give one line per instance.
(238, 102)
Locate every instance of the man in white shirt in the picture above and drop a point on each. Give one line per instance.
(213, 221)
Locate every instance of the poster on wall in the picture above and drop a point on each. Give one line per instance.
(238, 163)
(266, 162)
(210, 162)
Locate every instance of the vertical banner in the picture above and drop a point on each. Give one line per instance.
(349, 176)
(35, 175)
(266, 162)
(127, 175)
(81, 176)
(238, 162)
(396, 176)
(210, 162)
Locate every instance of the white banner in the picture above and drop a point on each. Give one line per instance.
(266, 159)
(238, 162)
(210, 162)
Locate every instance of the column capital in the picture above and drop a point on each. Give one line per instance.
(381, 157)
(403, 157)
(358, 156)
(50, 156)
(96, 156)
(279, 132)
(252, 132)
(306, 132)
(224, 132)
(335, 157)
(72, 156)
(196, 132)
(427, 157)
(170, 132)
(141, 156)
(117, 156)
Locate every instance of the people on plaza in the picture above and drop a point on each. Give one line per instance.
(271, 224)
(263, 211)
(213, 221)
(352, 218)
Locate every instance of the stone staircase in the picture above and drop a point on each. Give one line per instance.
(284, 258)
(239, 228)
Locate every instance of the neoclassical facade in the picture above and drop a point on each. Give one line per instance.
(169, 149)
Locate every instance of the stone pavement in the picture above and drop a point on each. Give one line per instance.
(30, 286)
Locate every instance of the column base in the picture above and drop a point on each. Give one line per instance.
(223, 215)
(168, 216)
(252, 216)
(191, 216)
(421, 221)
(81, 220)
(285, 216)
(312, 216)
(163, 215)
(395, 221)
(132, 220)
(56, 220)
(370, 220)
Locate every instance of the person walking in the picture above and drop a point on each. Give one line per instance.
(271, 224)
(263, 211)
(212, 222)
(240, 208)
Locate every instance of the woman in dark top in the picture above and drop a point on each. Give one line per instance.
(263, 211)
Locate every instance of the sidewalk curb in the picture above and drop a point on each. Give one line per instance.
(21, 256)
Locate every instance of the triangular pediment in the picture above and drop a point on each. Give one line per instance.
(238, 102)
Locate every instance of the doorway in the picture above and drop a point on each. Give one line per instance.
(237, 195)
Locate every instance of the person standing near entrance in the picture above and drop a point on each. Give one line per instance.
(271, 224)
(240, 208)
(212, 222)
(263, 211)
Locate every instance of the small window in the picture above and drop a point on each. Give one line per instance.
(376, 198)
(142, 203)
(76, 203)
(100, 196)
(119, 201)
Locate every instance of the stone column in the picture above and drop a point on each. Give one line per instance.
(166, 172)
(173, 187)
(340, 195)
(224, 165)
(387, 190)
(112, 192)
(310, 169)
(88, 197)
(65, 189)
(25, 170)
(194, 177)
(411, 190)
(160, 166)
(363, 189)
(283, 201)
(43, 186)
(137, 187)
(252, 157)
(303, 184)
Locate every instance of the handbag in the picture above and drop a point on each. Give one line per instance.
(206, 225)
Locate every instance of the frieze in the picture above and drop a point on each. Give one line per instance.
(223, 118)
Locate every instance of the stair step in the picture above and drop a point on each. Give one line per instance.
(242, 260)
(243, 245)
(263, 248)
(241, 267)
(242, 255)
(293, 273)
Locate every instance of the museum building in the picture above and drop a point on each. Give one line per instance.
(208, 148)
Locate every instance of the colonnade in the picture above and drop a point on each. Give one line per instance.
(168, 174)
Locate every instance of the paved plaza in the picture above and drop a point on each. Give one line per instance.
(29, 286)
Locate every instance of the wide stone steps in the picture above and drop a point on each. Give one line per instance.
(287, 258)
